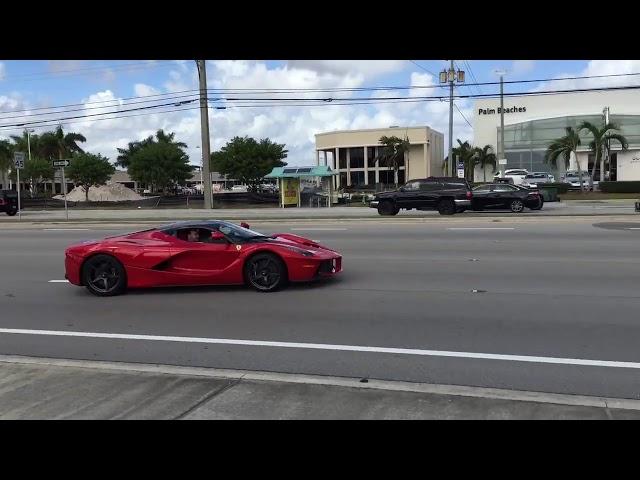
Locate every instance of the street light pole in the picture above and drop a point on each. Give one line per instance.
(204, 125)
(501, 155)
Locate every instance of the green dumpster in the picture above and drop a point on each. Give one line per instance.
(549, 194)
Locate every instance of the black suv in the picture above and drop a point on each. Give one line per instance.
(448, 195)
(9, 202)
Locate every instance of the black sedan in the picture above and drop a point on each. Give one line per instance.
(505, 196)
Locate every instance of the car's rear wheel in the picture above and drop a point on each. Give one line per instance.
(539, 206)
(265, 272)
(104, 276)
(12, 211)
(447, 207)
(387, 208)
(516, 206)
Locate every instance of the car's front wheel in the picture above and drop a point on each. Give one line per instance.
(265, 272)
(516, 206)
(104, 276)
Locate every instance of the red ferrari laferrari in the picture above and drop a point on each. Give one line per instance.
(197, 253)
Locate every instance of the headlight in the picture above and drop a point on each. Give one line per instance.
(301, 251)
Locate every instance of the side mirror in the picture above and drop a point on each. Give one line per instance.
(217, 236)
(244, 225)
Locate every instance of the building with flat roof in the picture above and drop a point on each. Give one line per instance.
(353, 155)
(531, 123)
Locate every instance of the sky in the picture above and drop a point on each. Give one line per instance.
(29, 91)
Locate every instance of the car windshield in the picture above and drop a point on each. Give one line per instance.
(235, 232)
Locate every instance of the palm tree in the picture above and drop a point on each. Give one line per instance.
(564, 147)
(392, 151)
(601, 141)
(483, 158)
(6, 161)
(125, 154)
(59, 144)
(465, 153)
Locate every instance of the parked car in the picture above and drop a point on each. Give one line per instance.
(533, 179)
(517, 174)
(9, 202)
(503, 196)
(573, 178)
(239, 188)
(448, 195)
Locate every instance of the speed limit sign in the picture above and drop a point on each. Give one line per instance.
(18, 159)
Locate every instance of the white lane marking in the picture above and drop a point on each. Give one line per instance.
(481, 228)
(317, 229)
(58, 281)
(65, 229)
(634, 228)
(322, 346)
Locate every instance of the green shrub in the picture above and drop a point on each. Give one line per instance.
(620, 187)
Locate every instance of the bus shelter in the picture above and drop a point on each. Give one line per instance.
(305, 186)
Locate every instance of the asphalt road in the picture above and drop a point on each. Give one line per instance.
(546, 306)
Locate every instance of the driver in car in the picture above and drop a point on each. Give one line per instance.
(193, 236)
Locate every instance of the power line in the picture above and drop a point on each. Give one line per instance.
(99, 102)
(316, 103)
(179, 99)
(468, 64)
(118, 117)
(85, 71)
(423, 68)
(462, 114)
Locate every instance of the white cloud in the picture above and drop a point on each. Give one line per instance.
(293, 126)
(596, 68)
(368, 68)
(2, 71)
(142, 90)
(56, 66)
(520, 67)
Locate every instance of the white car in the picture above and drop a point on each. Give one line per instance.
(239, 188)
(515, 174)
(534, 178)
(573, 178)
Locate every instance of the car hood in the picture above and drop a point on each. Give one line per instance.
(289, 239)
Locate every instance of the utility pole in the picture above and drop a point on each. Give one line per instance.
(450, 77)
(607, 147)
(204, 122)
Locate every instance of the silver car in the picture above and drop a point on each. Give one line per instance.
(533, 179)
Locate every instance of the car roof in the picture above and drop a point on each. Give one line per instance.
(193, 224)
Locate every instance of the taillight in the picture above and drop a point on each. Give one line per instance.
(2, 201)
(469, 194)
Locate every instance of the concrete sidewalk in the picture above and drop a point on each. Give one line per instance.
(33, 388)
(568, 208)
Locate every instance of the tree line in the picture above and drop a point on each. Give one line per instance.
(159, 161)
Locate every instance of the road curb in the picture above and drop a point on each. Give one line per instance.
(451, 390)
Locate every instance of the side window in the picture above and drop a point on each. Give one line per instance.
(194, 235)
(412, 186)
(430, 186)
(504, 188)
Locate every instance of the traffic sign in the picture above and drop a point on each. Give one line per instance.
(61, 163)
(502, 161)
(18, 159)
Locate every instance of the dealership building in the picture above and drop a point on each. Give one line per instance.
(353, 154)
(531, 123)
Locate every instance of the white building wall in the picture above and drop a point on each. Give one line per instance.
(486, 119)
